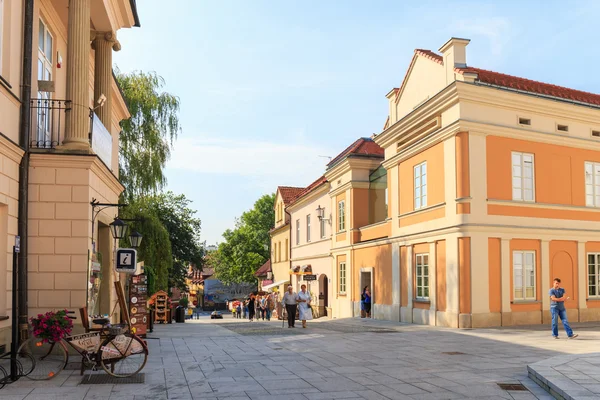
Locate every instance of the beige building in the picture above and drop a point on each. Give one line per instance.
(311, 242)
(73, 136)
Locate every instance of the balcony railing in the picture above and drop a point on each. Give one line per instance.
(48, 122)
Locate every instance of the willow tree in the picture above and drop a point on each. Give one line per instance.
(147, 137)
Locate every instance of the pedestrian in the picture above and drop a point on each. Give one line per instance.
(290, 304)
(367, 302)
(239, 310)
(270, 306)
(304, 307)
(263, 307)
(245, 310)
(557, 309)
(251, 307)
(362, 302)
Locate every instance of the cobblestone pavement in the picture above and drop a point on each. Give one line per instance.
(332, 359)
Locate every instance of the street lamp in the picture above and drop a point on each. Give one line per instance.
(321, 214)
(135, 238)
(118, 229)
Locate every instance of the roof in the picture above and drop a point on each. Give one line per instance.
(136, 18)
(361, 147)
(320, 181)
(289, 193)
(517, 83)
(262, 271)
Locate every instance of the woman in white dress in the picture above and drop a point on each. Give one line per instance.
(304, 309)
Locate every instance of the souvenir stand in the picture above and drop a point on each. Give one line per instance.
(162, 306)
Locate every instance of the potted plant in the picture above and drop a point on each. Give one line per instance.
(52, 326)
(183, 302)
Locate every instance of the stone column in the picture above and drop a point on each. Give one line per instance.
(78, 60)
(104, 43)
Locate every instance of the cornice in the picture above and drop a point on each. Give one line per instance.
(280, 229)
(10, 149)
(340, 189)
(322, 190)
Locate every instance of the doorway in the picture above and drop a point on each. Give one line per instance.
(323, 294)
(366, 279)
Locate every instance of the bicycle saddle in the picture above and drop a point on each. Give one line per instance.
(101, 321)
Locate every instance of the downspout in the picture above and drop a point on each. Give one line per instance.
(24, 165)
(289, 245)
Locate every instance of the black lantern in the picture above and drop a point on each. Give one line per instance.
(135, 238)
(118, 229)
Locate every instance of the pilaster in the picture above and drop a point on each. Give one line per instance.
(505, 273)
(581, 277)
(432, 283)
(545, 249)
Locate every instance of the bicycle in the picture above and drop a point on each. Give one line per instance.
(118, 350)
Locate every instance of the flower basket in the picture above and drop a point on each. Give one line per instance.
(52, 326)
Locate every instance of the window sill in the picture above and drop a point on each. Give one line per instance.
(338, 232)
(525, 302)
(342, 294)
(422, 301)
(593, 299)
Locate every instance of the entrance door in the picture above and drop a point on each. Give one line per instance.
(44, 122)
(323, 294)
(366, 279)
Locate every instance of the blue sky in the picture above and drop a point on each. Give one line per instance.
(266, 87)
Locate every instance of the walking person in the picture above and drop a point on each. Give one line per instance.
(270, 306)
(239, 310)
(367, 293)
(290, 304)
(362, 302)
(245, 308)
(263, 307)
(557, 309)
(251, 307)
(304, 307)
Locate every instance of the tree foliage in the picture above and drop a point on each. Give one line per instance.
(147, 137)
(246, 247)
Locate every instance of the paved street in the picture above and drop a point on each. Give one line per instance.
(339, 359)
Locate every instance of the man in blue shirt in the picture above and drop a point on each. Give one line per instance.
(557, 309)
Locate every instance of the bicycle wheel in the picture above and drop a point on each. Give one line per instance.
(46, 359)
(123, 355)
(3, 377)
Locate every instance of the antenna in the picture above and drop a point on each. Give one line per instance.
(326, 157)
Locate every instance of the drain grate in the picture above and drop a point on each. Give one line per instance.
(453, 353)
(100, 379)
(512, 386)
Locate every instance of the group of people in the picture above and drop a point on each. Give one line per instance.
(297, 302)
(255, 307)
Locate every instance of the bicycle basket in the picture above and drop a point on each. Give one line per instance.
(117, 329)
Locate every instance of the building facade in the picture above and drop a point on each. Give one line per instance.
(76, 108)
(311, 243)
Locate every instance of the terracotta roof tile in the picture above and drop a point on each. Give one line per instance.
(266, 267)
(289, 193)
(310, 188)
(362, 146)
(515, 82)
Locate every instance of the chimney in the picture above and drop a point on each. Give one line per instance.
(455, 55)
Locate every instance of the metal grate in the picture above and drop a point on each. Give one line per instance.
(101, 379)
(512, 386)
(453, 353)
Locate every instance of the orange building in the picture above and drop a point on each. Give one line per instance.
(487, 188)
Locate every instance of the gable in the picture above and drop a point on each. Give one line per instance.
(424, 79)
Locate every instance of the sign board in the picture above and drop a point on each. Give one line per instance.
(102, 141)
(17, 244)
(309, 277)
(86, 342)
(126, 261)
(138, 304)
(45, 86)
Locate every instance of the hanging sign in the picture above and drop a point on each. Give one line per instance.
(309, 277)
(126, 261)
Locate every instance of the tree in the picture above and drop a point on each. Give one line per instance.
(246, 247)
(177, 217)
(147, 137)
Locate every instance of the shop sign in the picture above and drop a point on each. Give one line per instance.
(138, 309)
(309, 277)
(126, 261)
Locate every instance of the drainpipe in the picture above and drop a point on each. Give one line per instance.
(24, 166)
(290, 245)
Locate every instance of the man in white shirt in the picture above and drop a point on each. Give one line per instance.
(290, 304)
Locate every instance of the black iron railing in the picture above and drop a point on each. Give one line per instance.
(48, 122)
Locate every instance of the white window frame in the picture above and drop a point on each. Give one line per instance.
(297, 232)
(422, 276)
(520, 265)
(518, 177)
(592, 184)
(593, 279)
(341, 215)
(308, 228)
(322, 226)
(420, 185)
(342, 274)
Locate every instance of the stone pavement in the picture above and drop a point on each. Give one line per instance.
(332, 359)
(569, 377)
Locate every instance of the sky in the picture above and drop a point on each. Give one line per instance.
(270, 89)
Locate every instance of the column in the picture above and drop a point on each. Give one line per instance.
(545, 274)
(104, 43)
(78, 59)
(432, 283)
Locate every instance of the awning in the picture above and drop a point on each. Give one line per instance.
(275, 284)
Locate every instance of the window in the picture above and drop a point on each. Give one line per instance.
(596, 133)
(562, 128)
(342, 277)
(341, 216)
(297, 232)
(322, 225)
(524, 275)
(378, 195)
(522, 176)
(287, 246)
(421, 185)
(422, 267)
(279, 250)
(45, 45)
(592, 184)
(308, 228)
(524, 121)
(274, 252)
(593, 274)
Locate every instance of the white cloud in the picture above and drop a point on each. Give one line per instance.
(266, 163)
(496, 29)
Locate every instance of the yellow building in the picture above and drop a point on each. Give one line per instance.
(280, 238)
(71, 125)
